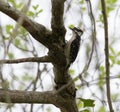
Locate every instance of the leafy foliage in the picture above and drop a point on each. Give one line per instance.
(87, 102)
(36, 11)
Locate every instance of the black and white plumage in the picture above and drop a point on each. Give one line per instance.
(73, 45)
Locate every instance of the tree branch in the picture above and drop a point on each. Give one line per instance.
(57, 14)
(38, 31)
(107, 64)
(90, 12)
(31, 59)
(15, 96)
(57, 23)
(48, 97)
(55, 41)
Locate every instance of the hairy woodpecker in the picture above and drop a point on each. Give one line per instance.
(73, 45)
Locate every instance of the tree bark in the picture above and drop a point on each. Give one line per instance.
(55, 41)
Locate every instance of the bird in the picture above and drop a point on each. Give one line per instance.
(73, 45)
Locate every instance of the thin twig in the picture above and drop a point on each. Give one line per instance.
(93, 28)
(93, 36)
(20, 22)
(107, 65)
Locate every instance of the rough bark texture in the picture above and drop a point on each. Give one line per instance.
(55, 41)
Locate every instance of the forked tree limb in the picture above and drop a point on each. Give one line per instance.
(55, 41)
(48, 97)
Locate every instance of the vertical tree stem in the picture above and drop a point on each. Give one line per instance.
(107, 65)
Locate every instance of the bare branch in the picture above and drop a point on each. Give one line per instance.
(90, 12)
(15, 96)
(32, 59)
(107, 64)
(48, 97)
(38, 31)
(57, 14)
(93, 30)
(57, 22)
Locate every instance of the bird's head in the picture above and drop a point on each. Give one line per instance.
(77, 31)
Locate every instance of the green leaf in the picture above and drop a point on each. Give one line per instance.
(112, 58)
(102, 71)
(11, 55)
(118, 54)
(119, 76)
(5, 84)
(118, 62)
(83, 8)
(101, 18)
(17, 42)
(112, 50)
(24, 47)
(100, 84)
(88, 102)
(115, 97)
(26, 77)
(48, 109)
(20, 5)
(86, 110)
(71, 26)
(110, 5)
(101, 109)
(79, 104)
(35, 7)
(23, 32)
(9, 29)
(41, 10)
(111, 1)
(30, 14)
(109, 9)
(13, 3)
(71, 71)
(81, 1)
(102, 75)
(76, 78)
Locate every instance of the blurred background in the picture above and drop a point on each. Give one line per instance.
(39, 76)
